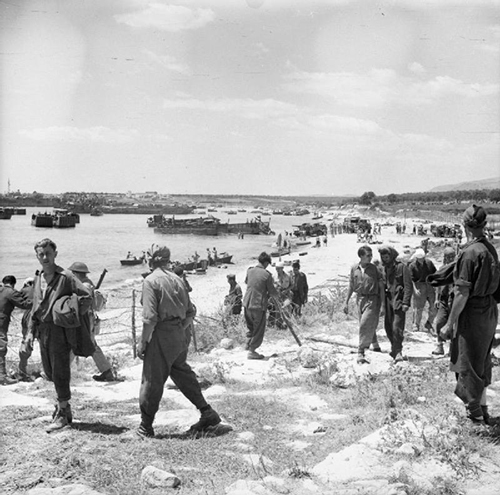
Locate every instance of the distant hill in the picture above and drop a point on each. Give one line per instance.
(493, 183)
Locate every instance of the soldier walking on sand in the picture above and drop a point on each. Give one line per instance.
(397, 300)
(52, 285)
(367, 282)
(167, 313)
(420, 268)
(260, 287)
(474, 316)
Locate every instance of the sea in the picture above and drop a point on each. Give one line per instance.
(101, 242)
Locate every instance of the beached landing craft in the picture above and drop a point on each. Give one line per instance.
(5, 214)
(206, 226)
(42, 220)
(60, 219)
(197, 226)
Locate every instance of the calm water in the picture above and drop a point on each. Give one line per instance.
(102, 241)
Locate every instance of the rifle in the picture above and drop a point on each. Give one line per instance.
(288, 323)
(101, 278)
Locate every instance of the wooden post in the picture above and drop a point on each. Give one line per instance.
(134, 335)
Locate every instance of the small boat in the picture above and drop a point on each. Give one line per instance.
(133, 260)
(187, 266)
(223, 259)
(302, 243)
(96, 212)
(5, 214)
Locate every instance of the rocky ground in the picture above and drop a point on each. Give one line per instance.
(364, 467)
(389, 461)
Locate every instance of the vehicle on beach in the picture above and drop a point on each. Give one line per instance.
(446, 230)
(353, 225)
(310, 230)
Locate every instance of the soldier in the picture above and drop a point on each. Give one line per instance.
(10, 298)
(167, 312)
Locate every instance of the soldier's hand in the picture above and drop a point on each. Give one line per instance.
(141, 349)
(346, 309)
(405, 308)
(446, 332)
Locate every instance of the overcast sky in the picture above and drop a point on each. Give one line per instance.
(248, 96)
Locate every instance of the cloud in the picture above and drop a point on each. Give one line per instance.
(381, 87)
(248, 108)
(416, 68)
(172, 18)
(93, 134)
(168, 62)
(332, 124)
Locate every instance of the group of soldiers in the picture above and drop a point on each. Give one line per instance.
(465, 313)
(11, 298)
(61, 315)
(288, 297)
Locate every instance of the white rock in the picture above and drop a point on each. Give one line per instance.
(158, 478)
(406, 449)
(227, 343)
(246, 436)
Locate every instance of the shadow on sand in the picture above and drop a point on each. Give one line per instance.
(210, 432)
(102, 428)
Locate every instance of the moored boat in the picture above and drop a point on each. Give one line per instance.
(224, 258)
(198, 226)
(133, 260)
(5, 214)
(63, 219)
(42, 220)
(252, 227)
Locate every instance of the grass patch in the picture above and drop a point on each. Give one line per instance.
(289, 432)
